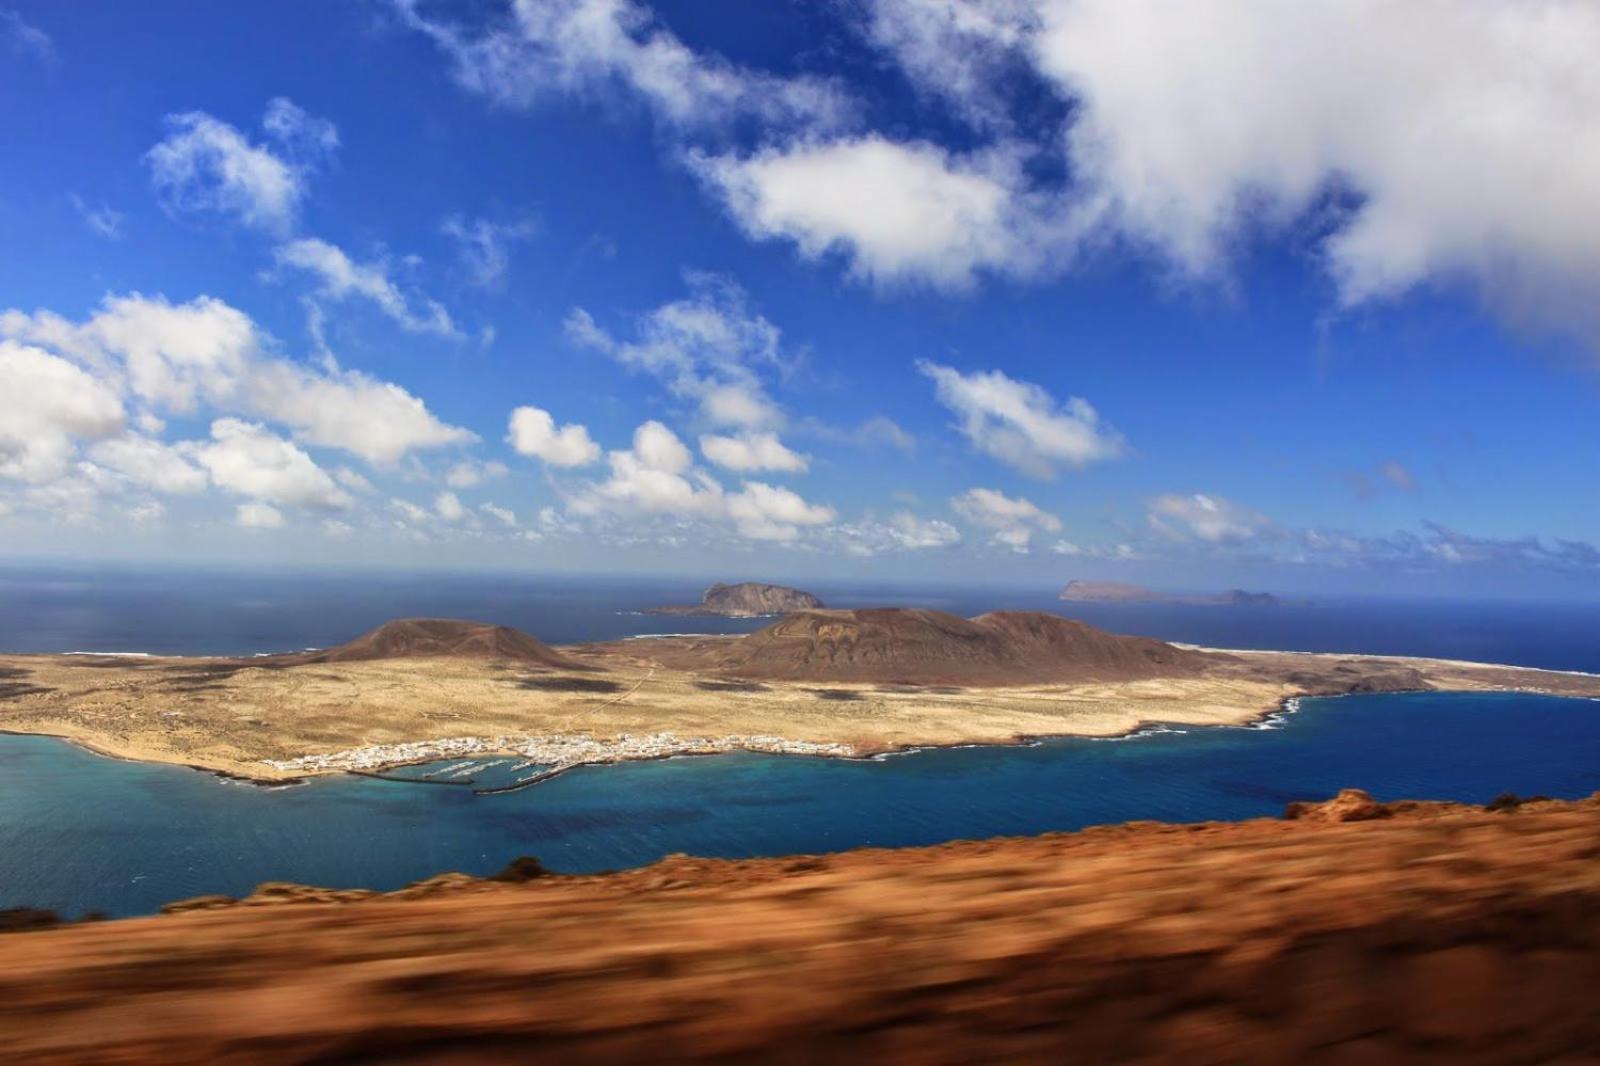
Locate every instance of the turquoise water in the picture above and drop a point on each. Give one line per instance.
(79, 832)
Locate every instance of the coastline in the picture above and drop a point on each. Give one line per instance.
(378, 761)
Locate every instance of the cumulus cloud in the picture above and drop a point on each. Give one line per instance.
(896, 213)
(533, 433)
(752, 451)
(1198, 123)
(651, 477)
(709, 348)
(180, 358)
(1020, 424)
(334, 408)
(657, 476)
(341, 277)
(447, 505)
(588, 47)
(46, 403)
(151, 463)
(1191, 131)
(249, 459)
(1208, 518)
(765, 512)
(205, 164)
(1012, 520)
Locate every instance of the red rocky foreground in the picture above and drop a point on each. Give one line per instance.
(1354, 932)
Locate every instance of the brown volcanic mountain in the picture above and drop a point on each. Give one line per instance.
(435, 638)
(912, 645)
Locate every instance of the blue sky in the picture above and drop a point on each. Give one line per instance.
(1021, 290)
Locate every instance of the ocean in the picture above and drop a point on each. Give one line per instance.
(83, 833)
(79, 832)
(186, 612)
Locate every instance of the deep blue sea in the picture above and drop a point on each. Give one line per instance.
(79, 832)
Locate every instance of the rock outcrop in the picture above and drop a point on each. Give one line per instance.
(1436, 933)
(748, 599)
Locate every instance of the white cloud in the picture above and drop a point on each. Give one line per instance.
(46, 405)
(205, 164)
(179, 358)
(752, 451)
(588, 46)
(170, 356)
(410, 511)
(1020, 424)
(469, 473)
(151, 463)
(248, 459)
(533, 433)
(1199, 123)
(657, 476)
(1208, 518)
(658, 448)
(903, 531)
(765, 512)
(447, 505)
(708, 348)
(333, 408)
(486, 246)
(342, 277)
(1013, 520)
(147, 512)
(502, 515)
(302, 136)
(100, 218)
(24, 36)
(258, 516)
(352, 480)
(896, 212)
(1119, 552)
(958, 51)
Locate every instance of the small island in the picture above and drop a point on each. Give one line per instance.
(1122, 592)
(748, 599)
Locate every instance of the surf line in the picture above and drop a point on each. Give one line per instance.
(411, 780)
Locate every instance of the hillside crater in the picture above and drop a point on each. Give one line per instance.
(919, 646)
(441, 638)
